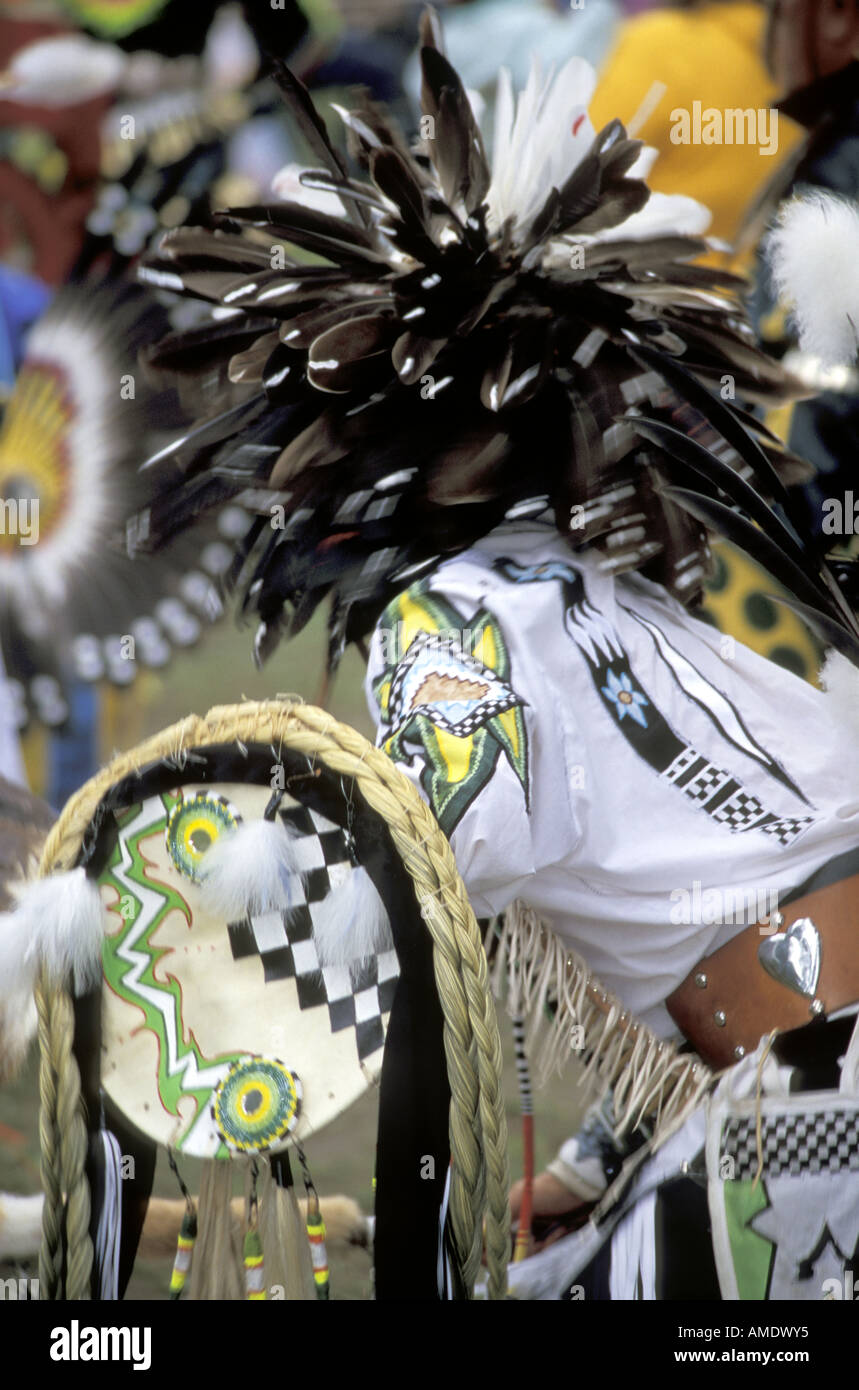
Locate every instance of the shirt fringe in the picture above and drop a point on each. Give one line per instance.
(562, 1004)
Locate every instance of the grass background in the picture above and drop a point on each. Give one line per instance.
(341, 1157)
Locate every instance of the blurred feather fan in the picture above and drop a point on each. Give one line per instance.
(77, 425)
(469, 345)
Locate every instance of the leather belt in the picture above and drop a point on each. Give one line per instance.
(777, 974)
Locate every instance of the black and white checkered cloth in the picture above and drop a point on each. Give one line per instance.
(357, 996)
(823, 1141)
(786, 828)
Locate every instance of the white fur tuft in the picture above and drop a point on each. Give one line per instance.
(58, 922)
(20, 1226)
(840, 679)
(813, 253)
(17, 1006)
(63, 921)
(252, 869)
(351, 923)
(62, 70)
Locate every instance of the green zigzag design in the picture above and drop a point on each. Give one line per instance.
(170, 1088)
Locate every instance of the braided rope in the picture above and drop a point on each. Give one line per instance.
(478, 1131)
(50, 1253)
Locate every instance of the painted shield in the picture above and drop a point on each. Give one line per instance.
(224, 1037)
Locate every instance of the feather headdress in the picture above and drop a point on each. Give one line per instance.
(436, 346)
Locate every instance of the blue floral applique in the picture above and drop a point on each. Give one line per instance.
(626, 699)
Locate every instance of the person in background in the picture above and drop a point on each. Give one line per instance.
(483, 35)
(656, 68)
(654, 73)
(813, 52)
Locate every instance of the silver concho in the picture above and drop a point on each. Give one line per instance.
(793, 957)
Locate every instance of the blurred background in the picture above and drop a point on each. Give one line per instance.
(122, 118)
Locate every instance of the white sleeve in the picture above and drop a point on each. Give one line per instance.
(461, 718)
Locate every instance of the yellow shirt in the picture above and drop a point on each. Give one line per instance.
(713, 57)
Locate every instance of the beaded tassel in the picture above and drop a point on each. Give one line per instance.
(315, 1231)
(184, 1252)
(318, 1252)
(254, 1269)
(253, 1258)
(187, 1236)
(523, 1072)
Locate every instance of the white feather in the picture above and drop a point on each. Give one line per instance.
(62, 71)
(542, 136)
(230, 55)
(58, 923)
(351, 923)
(813, 253)
(252, 869)
(287, 184)
(664, 214)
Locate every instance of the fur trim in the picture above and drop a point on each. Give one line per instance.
(814, 257)
(63, 921)
(58, 923)
(20, 1226)
(253, 869)
(351, 923)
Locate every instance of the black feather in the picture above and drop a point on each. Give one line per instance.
(767, 553)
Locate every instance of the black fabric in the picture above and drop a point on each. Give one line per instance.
(593, 1281)
(182, 26)
(136, 1186)
(415, 1096)
(813, 1052)
(685, 1265)
(825, 96)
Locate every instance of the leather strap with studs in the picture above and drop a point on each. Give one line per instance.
(774, 975)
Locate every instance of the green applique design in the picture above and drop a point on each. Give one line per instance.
(752, 1253)
(446, 689)
(129, 957)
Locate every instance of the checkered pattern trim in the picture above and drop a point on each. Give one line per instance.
(357, 996)
(786, 828)
(825, 1141)
(741, 811)
(443, 656)
(719, 793)
(704, 785)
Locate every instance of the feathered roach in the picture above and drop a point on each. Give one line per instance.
(458, 345)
